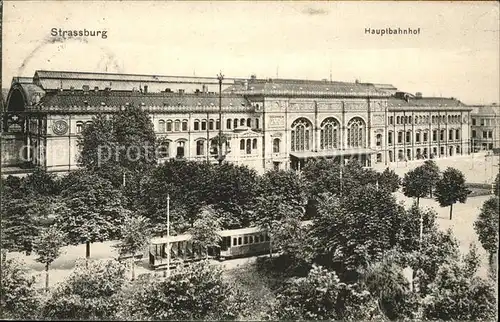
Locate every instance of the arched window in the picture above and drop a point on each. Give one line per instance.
(249, 122)
(203, 125)
(184, 125)
(200, 147)
(390, 139)
(378, 139)
(249, 146)
(329, 134)
(256, 123)
(161, 126)
(254, 144)
(217, 124)
(180, 149)
(457, 134)
(196, 125)
(169, 126)
(242, 122)
(301, 135)
(276, 145)
(242, 144)
(164, 150)
(398, 120)
(409, 120)
(79, 127)
(88, 123)
(355, 133)
(235, 123)
(211, 124)
(177, 125)
(228, 124)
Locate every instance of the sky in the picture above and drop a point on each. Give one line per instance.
(456, 53)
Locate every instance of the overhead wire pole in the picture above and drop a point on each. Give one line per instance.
(220, 158)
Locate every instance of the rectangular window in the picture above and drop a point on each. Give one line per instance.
(184, 126)
(389, 138)
(441, 135)
(482, 122)
(169, 126)
(177, 126)
(250, 239)
(490, 134)
(408, 137)
(391, 120)
(217, 125)
(450, 135)
(473, 133)
(457, 134)
(485, 135)
(434, 135)
(473, 121)
(442, 151)
(425, 137)
(235, 242)
(245, 240)
(417, 137)
(196, 125)
(400, 137)
(239, 240)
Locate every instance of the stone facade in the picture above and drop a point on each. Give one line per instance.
(270, 124)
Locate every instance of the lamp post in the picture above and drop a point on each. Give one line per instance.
(168, 235)
(220, 155)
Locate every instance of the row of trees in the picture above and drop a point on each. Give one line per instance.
(448, 187)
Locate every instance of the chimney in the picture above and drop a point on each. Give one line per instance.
(418, 94)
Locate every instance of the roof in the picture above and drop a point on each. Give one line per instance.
(306, 87)
(78, 99)
(492, 110)
(223, 233)
(426, 102)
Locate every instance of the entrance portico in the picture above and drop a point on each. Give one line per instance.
(299, 159)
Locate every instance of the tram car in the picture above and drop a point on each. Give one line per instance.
(234, 243)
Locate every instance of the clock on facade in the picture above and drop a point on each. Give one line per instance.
(60, 127)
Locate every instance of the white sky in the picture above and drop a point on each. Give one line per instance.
(455, 55)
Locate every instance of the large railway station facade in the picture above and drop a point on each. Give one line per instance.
(269, 123)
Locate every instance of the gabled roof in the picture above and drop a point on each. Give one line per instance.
(78, 99)
(426, 102)
(306, 87)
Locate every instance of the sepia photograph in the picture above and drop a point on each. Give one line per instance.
(249, 160)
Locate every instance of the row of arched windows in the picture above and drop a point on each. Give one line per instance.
(172, 126)
(301, 134)
(248, 145)
(203, 125)
(424, 119)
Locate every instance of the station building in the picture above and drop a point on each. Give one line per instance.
(269, 123)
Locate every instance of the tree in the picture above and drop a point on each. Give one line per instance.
(22, 220)
(205, 230)
(451, 188)
(496, 185)
(486, 226)
(285, 184)
(123, 145)
(18, 296)
(458, 294)
(432, 174)
(95, 209)
(40, 183)
(389, 179)
(270, 211)
(416, 184)
(48, 248)
(135, 236)
(386, 282)
(353, 231)
(322, 296)
(195, 292)
(93, 293)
